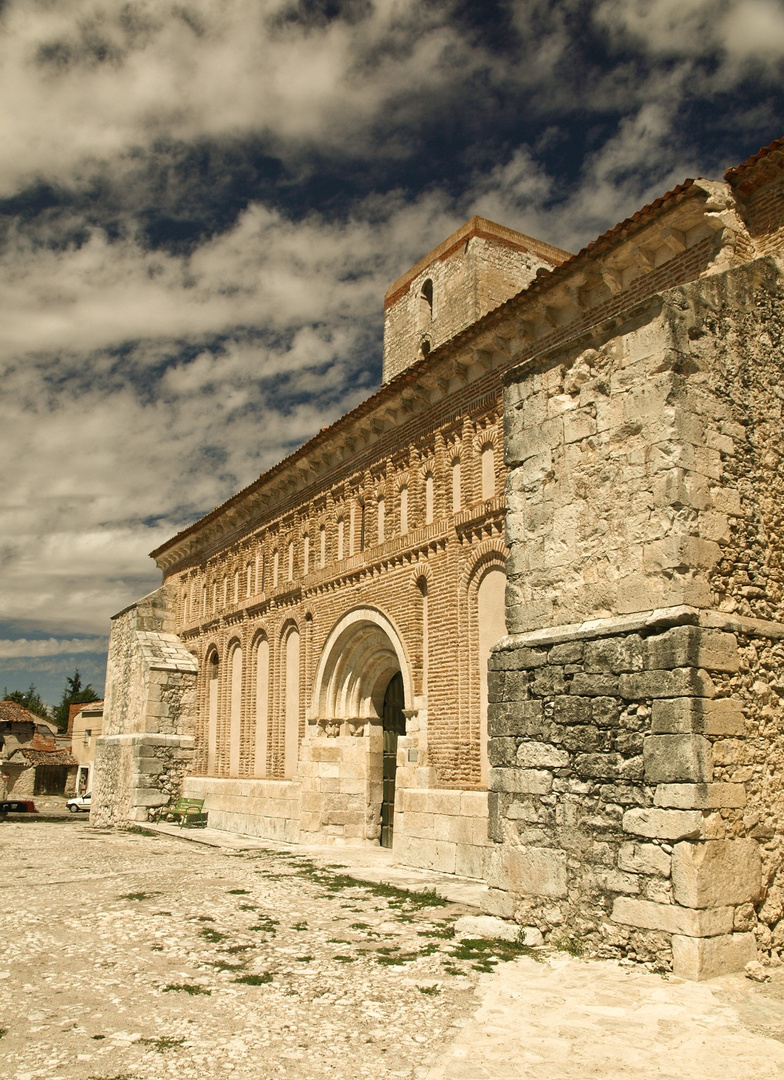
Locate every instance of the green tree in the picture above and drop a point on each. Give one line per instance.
(30, 699)
(73, 694)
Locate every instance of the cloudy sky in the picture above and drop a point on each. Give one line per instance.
(202, 203)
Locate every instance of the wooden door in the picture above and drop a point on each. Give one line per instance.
(394, 723)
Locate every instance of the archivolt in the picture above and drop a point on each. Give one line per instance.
(360, 656)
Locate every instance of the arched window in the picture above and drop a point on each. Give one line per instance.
(361, 515)
(340, 538)
(213, 670)
(429, 497)
(323, 545)
(291, 713)
(457, 494)
(488, 472)
(225, 590)
(275, 568)
(235, 711)
(306, 554)
(248, 579)
(236, 586)
(262, 706)
(404, 509)
(492, 626)
(426, 302)
(380, 517)
(291, 560)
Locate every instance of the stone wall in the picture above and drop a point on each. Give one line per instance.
(147, 743)
(268, 808)
(634, 717)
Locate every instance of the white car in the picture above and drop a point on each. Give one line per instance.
(81, 802)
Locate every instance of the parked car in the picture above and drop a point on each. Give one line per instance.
(81, 802)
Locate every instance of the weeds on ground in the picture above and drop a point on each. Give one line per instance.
(238, 892)
(444, 932)
(344, 959)
(117, 1076)
(484, 953)
(3, 1031)
(255, 980)
(235, 948)
(187, 988)
(300, 926)
(568, 943)
(431, 991)
(211, 935)
(305, 959)
(138, 895)
(140, 831)
(266, 924)
(163, 1044)
(97, 1037)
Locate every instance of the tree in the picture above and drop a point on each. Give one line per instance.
(73, 694)
(30, 699)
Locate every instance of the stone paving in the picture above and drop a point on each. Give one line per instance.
(129, 956)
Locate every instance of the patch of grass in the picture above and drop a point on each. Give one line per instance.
(138, 895)
(255, 980)
(360, 926)
(163, 1044)
(247, 907)
(117, 1076)
(238, 892)
(97, 1037)
(484, 953)
(265, 924)
(445, 932)
(568, 943)
(305, 959)
(160, 913)
(235, 948)
(431, 991)
(341, 959)
(156, 948)
(203, 918)
(450, 969)
(4, 1031)
(338, 941)
(187, 988)
(300, 926)
(225, 965)
(211, 935)
(140, 831)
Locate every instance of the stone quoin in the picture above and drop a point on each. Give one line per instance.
(520, 614)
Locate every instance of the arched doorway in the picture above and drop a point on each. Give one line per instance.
(394, 724)
(362, 685)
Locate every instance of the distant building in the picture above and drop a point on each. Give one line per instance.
(574, 467)
(35, 759)
(84, 726)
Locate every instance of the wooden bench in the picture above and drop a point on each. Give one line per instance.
(189, 810)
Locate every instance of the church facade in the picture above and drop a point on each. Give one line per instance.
(516, 616)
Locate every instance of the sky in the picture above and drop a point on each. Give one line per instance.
(202, 203)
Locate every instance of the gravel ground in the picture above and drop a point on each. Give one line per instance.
(127, 956)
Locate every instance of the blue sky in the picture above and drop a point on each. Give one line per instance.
(202, 203)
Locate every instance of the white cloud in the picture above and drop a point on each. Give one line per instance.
(34, 649)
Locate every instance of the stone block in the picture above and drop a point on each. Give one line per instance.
(570, 652)
(521, 781)
(517, 659)
(733, 752)
(679, 551)
(644, 859)
(572, 710)
(671, 918)
(532, 755)
(486, 926)
(669, 758)
(501, 751)
(660, 683)
(605, 766)
(470, 861)
(705, 958)
(717, 716)
(473, 804)
(615, 654)
(598, 685)
(664, 824)
(531, 871)
(700, 796)
(716, 872)
(692, 646)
